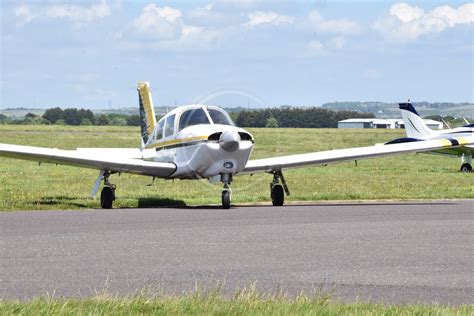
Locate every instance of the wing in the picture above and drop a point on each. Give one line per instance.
(113, 159)
(339, 155)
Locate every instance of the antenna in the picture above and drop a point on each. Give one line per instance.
(446, 123)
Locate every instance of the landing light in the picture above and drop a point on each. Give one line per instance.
(228, 165)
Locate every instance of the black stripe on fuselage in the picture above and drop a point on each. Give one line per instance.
(453, 141)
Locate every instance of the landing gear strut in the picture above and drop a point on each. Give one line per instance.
(466, 163)
(107, 195)
(226, 192)
(276, 189)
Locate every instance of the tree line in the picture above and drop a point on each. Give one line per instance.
(73, 116)
(311, 117)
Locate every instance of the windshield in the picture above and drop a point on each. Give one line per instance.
(219, 117)
(193, 117)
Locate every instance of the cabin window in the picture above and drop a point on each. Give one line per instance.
(218, 117)
(159, 130)
(193, 117)
(169, 128)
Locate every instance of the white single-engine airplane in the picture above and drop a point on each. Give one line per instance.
(202, 142)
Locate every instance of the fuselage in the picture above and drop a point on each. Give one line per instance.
(202, 141)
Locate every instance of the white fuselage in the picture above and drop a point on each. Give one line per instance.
(202, 150)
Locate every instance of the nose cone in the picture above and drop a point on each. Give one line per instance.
(229, 140)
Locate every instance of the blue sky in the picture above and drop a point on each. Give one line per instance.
(234, 52)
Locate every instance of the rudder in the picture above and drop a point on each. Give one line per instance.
(414, 125)
(147, 112)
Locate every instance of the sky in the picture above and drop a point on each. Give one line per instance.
(249, 53)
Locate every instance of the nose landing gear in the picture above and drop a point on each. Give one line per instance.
(226, 178)
(276, 189)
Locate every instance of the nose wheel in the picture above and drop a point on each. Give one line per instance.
(226, 198)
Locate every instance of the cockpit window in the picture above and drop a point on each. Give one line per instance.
(219, 118)
(193, 117)
(169, 128)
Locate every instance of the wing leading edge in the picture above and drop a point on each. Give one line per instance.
(113, 159)
(339, 155)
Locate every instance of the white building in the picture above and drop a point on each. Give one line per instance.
(383, 123)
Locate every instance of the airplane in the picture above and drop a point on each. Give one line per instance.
(201, 142)
(417, 130)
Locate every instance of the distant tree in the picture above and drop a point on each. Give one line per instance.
(4, 119)
(54, 114)
(118, 121)
(72, 117)
(103, 120)
(86, 121)
(30, 115)
(272, 122)
(133, 120)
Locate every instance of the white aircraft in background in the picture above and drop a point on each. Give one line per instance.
(202, 142)
(417, 130)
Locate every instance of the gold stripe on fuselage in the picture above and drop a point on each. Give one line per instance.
(445, 142)
(176, 141)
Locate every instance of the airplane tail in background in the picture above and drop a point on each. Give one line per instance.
(147, 112)
(414, 125)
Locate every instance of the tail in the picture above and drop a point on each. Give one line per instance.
(147, 112)
(414, 124)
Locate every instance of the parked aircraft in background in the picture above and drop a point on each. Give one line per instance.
(417, 130)
(202, 142)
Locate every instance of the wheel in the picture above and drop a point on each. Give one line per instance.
(107, 197)
(278, 197)
(226, 197)
(466, 168)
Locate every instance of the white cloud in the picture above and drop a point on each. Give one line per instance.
(159, 22)
(407, 23)
(164, 28)
(261, 18)
(315, 48)
(314, 22)
(337, 42)
(405, 12)
(76, 13)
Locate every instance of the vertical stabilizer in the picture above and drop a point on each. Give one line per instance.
(414, 124)
(147, 112)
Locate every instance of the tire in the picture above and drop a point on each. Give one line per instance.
(226, 198)
(278, 196)
(466, 168)
(107, 197)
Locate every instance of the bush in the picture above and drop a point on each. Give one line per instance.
(272, 122)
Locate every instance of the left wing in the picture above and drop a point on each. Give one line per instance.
(127, 160)
(339, 155)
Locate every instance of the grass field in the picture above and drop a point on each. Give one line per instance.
(242, 303)
(26, 186)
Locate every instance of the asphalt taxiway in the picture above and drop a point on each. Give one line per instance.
(400, 252)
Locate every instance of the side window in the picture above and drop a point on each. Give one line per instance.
(193, 117)
(159, 132)
(169, 127)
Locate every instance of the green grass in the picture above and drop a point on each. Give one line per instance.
(247, 302)
(26, 186)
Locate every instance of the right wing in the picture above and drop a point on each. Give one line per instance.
(339, 155)
(125, 160)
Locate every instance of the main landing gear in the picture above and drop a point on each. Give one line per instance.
(107, 195)
(466, 163)
(277, 190)
(226, 192)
